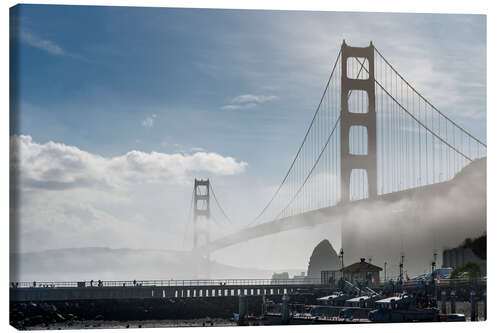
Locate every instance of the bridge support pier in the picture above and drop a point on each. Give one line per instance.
(453, 307)
(285, 310)
(473, 306)
(484, 300)
(443, 301)
(242, 309)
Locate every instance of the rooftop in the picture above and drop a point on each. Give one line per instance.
(361, 266)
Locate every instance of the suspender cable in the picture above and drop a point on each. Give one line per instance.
(430, 104)
(301, 145)
(218, 204)
(423, 125)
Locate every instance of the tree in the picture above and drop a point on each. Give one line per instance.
(472, 269)
(477, 245)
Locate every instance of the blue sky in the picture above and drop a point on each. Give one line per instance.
(113, 67)
(238, 84)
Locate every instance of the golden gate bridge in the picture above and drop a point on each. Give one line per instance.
(373, 136)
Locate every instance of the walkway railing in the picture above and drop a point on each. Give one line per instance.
(166, 283)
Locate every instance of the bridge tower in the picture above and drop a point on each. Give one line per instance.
(348, 119)
(201, 211)
(201, 232)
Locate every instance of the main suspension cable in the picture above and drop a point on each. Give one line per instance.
(219, 205)
(427, 101)
(301, 145)
(418, 121)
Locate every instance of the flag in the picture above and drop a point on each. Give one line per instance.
(407, 278)
(438, 279)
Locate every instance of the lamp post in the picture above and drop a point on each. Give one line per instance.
(385, 272)
(401, 265)
(452, 301)
(342, 262)
(434, 255)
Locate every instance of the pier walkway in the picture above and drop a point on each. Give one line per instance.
(87, 290)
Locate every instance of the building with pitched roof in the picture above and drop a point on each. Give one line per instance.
(362, 272)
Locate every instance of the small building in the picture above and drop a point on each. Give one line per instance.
(280, 276)
(300, 278)
(362, 272)
(330, 278)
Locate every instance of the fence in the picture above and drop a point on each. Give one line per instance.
(166, 283)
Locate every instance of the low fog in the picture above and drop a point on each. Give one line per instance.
(78, 264)
(81, 216)
(414, 224)
(428, 220)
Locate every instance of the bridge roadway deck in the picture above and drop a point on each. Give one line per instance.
(70, 291)
(310, 218)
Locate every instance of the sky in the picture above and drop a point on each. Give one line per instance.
(115, 110)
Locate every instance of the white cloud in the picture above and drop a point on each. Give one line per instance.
(67, 197)
(253, 98)
(248, 101)
(149, 121)
(42, 44)
(56, 166)
(239, 106)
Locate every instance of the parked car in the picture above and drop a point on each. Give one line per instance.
(452, 317)
(444, 273)
(418, 277)
(347, 313)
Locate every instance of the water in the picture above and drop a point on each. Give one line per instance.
(94, 324)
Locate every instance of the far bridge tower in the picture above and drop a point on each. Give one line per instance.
(201, 216)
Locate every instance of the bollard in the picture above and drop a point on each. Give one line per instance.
(285, 311)
(241, 310)
(443, 302)
(473, 306)
(484, 300)
(452, 302)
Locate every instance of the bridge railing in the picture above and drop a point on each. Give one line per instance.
(445, 282)
(442, 282)
(166, 283)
